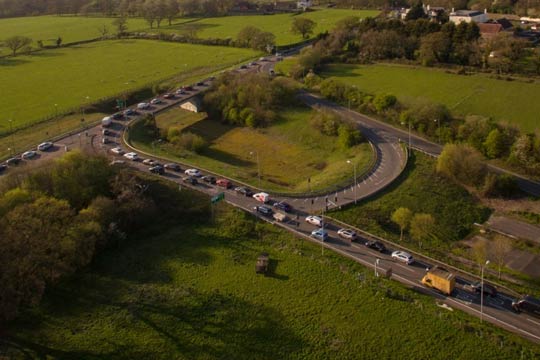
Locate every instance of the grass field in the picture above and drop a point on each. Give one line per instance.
(68, 76)
(421, 190)
(191, 292)
(289, 152)
(475, 94)
(279, 24)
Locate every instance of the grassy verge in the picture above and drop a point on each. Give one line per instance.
(87, 73)
(289, 152)
(191, 292)
(421, 190)
(474, 94)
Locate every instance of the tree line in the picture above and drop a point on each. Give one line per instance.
(56, 219)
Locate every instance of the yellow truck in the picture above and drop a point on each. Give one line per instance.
(440, 279)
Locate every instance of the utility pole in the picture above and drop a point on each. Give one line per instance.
(482, 292)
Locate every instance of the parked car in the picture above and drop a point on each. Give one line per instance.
(106, 121)
(168, 95)
(224, 183)
(45, 146)
(180, 92)
(403, 256)
(476, 288)
(347, 234)
(155, 101)
(190, 180)
(131, 156)
(117, 116)
(129, 112)
(314, 220)
(242, 190)
(28, 154)
(188, 88)
(158, 169)
(243, 67)
(3, 167)
(320, 234)
(376, 245)
(282, 205)
(253, 63)
(13, 161)
(150, 162)
(200, 83)
(104, 140)
(143, 106)
(209, 179)
(117, 151)
(262, 197)
(527, 304)
(105, 132)
(193, 172)
(265, 210)
(173, 167)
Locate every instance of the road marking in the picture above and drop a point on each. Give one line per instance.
(536, 322)
(404, 267)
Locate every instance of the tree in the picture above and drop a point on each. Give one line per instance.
(494, 145)
(498, 250)
(416, 12)
(58, 41)
(172, 9)
(384, 101)
(402, 216)
(103, 31)
(422, 226)
(120, 24)
(462, 163)
(303, 26)
(479, 251)
(16, 43)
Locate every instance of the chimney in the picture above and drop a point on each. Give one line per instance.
(485, 11)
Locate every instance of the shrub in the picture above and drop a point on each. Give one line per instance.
(462, 163)
(503, 185)
(348, 136)
(381, 102)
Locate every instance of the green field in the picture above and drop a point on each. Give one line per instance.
(421, 190)
(279, 25)
(474, 94)
(191, 292)
(67, 76)
(290, 151)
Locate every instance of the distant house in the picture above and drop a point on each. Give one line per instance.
(193, 105)
(434, 12)
(468, 16)
(489, 30)
(304, 4)
(285, 6)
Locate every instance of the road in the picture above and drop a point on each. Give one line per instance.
(496, 310)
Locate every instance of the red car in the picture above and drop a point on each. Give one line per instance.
(224, 183)
(187, 88)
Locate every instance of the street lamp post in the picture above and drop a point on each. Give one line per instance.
(482, 291)
(258, 167)
(355, 180)
(438, 128)
(11, 134)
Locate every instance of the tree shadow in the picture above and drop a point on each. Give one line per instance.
(227, 158)
(12, 61)
(272, 270)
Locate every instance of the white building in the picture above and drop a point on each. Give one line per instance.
(468, 16)
(304, 4)
(192, 105)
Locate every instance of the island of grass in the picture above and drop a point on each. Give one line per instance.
(477, 94)
(292, 156)
(190, 291)
(64, 79)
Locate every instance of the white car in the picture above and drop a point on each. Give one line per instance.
(403, 257)
(118, 162)
(262, 197)
(28, 154)
(45, 146)
(117, 151)
(155, 101)
(131, 156)
(315, 220)
(347, 234)
(150, 162)
(143, 106)
(193, 172)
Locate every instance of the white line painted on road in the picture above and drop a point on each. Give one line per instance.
(536, 322)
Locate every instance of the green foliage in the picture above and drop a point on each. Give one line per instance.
(16, 43)
(255, 38)
(494, 144)
(462, 163)
(502, 185)
(327, 122)
(402, 217)
(416, 11)
(383, 102)
(348, 136)
(191, 142)
(422, 227)
(303, 26)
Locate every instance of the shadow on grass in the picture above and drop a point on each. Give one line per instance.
(191, 26)
(12, 61)
(272, 270)
(209, 129)
(343, 71)
(227, 158)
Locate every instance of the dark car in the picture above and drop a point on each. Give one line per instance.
(200, 83)
(209, 179)
(129, 112)
(173, 167)
(158, 169)
(283, 206)
(489, 290)
(190, 180)
(3, 167)
(527, 304)
(265, 210)
(243, 67)
(168, 96)
(243, 191)
(188, 88)
(13, 161)
(117, 116)
(376, 245)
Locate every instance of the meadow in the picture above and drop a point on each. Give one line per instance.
(278, 24)
(191, 292)
(289, 151)
(472, 94)
(53, 81)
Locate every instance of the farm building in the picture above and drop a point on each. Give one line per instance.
(193, 105)
(468, 16)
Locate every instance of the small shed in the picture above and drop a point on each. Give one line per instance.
(193, 105)
(262, 263)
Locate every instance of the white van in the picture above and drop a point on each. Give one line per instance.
(262, 197)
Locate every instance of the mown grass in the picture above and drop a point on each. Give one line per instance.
(278, 24)
(32, 85)
(421, 190)
(479, 94)
(289, 152)
(191, 292)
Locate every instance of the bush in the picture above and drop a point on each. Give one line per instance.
(462, 163)
(191, 142)
(326, 122)
(503, 185)
(382, 102)
(348, 136)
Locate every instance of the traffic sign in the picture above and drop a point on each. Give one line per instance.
(218, 197)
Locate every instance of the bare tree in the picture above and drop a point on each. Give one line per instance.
(16, 43)
(103, 31)
(422, 226)
(479, 251)
(498, 250)
(121, 25)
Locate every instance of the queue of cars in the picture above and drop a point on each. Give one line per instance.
(27, 155)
